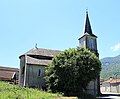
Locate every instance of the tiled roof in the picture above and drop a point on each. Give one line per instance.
(112, 80)
(8, 69)
(31, 60)
(42, 52)
(7, 73)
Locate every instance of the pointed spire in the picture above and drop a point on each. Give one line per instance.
(87, 27)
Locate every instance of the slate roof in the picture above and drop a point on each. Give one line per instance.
(34, 61)
(87, 30)
(87, 27)
(40, 56)
(7, 73)
(42, 52)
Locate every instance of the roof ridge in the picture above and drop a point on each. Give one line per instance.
(8, 67)
(42, 51)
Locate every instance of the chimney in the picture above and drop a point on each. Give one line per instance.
(111, 78)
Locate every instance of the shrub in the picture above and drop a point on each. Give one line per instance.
(72, 70)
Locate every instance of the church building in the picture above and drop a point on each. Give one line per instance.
(32, 66)
(33, 62)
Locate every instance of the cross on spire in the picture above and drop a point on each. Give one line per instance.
(86, 11)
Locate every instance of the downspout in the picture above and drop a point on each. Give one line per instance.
(19, 81)
(25, 70)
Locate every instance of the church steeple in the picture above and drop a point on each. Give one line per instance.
(87, 26)
(88, 40)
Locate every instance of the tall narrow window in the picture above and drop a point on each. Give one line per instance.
(23, 70)
(39, 72)
(91, 43)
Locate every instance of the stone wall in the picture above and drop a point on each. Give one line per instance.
(92, 88)
(34, 76)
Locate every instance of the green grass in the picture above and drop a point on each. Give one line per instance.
(8, 91)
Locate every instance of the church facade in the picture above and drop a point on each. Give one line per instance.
(33, 63)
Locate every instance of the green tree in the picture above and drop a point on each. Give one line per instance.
(72, 70)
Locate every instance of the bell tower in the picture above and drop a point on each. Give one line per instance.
(88, 40)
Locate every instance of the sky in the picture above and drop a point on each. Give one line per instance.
(56, 24)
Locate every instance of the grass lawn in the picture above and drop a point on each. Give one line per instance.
(8, 91)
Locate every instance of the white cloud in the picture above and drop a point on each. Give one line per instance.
(116, 47)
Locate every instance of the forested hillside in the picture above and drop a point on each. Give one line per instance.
(110, 66)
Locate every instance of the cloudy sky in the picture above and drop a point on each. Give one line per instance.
(56, 24)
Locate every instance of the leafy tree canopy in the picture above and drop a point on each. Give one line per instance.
(72, 70)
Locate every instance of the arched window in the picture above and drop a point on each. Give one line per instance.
(39, 72)
(23, 70)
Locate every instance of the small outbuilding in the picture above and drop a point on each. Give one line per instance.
(9, 74)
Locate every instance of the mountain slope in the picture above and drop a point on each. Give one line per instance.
(110, 66)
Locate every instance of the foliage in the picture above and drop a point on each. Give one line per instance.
(8, 91)
(72, 70)
(87, 96)
(110, 66)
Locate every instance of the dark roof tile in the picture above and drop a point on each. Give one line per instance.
(31, 60)
(42, 52)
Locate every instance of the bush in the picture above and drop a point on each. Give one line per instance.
(86, 96)
(71, 71)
